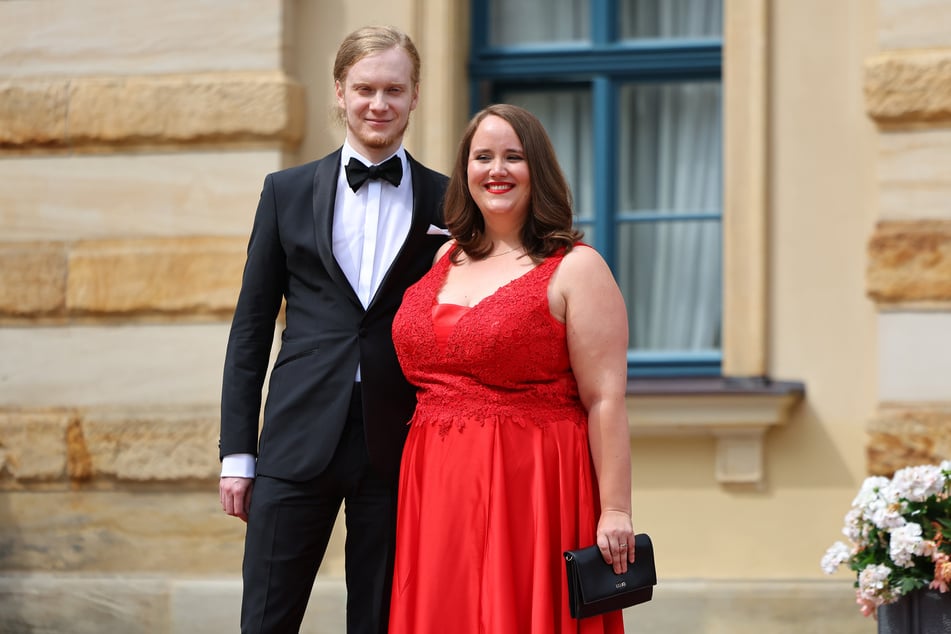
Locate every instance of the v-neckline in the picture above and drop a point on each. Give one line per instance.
(445, 278)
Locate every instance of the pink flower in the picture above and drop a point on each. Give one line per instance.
(942, 571)
(867, 606)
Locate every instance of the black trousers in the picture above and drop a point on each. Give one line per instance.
(289, 526)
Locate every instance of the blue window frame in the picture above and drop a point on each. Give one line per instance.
(629, 90)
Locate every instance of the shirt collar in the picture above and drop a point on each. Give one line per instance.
(347, 152)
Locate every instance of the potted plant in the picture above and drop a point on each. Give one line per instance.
(899, 542)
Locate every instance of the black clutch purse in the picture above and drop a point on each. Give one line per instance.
(593, 588)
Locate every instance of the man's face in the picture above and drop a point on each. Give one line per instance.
(377, 96)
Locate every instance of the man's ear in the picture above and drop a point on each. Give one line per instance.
(338, 91)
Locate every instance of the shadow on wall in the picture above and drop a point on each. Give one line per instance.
(689, 462)
(12, 591)
(806, 437)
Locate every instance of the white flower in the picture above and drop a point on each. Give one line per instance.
(837, 555)
(886, 514)
(917, 484)
(869, 490)
(897, 535)
(879, 503)
(856, 529)
(873, 581)
(873, 589)
(905, 543)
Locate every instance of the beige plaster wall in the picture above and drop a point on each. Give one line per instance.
(823, 208)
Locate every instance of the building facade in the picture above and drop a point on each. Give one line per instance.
(134, 139)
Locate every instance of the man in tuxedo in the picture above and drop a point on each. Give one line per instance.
(337, 240)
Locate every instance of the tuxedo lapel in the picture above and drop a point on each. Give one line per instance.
(325, 192)
(422, 200)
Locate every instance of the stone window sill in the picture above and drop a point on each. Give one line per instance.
(736, 412)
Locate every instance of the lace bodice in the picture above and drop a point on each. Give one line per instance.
(506, 358)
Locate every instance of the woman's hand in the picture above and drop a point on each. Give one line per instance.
(616, 539)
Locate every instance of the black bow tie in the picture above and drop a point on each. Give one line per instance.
(390, 170)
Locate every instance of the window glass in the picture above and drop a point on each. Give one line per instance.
(648, 19)
(670, 167)
(670, 275)
(670, 147)
(520, 22)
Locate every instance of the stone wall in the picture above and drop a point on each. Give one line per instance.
(908, 95)
(134, 138)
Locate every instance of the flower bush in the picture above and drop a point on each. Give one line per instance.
(899, 536)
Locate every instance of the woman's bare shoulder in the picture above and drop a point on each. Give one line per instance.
(443, 250)
(584, 260)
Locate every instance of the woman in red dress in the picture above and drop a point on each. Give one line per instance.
(519, 447)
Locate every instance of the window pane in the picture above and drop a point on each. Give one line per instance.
(670, 18)
(515, 22)
(671, 280)
(670, 165)
(566, 115)
(670, 148)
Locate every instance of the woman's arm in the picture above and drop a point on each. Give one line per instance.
(596, 322)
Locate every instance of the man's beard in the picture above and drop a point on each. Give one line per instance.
(379, 141)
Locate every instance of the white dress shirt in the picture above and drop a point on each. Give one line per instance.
(369, 228)
(370, 225)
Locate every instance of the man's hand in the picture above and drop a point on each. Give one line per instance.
(235, 494)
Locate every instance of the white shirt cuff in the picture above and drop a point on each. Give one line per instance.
(238, 465)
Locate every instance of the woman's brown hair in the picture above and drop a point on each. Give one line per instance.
(549, 225)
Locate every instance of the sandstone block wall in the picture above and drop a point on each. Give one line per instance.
(134, 138)
(907, 94)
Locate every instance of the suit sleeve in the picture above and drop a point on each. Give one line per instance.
(252, 330)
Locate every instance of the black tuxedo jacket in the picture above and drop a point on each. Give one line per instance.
(327, 333)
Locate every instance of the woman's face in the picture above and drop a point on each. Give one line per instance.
(497, 171)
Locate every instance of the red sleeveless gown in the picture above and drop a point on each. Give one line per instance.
(496, 479)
